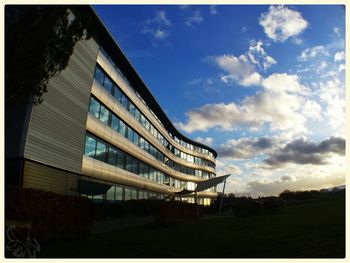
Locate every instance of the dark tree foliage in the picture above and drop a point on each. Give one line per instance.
(39, 41)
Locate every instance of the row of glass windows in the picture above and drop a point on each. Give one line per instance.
(123, 193)
(113, 89)
(110, 119)
(98, 149)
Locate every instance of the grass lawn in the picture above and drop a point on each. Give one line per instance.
(311, 229)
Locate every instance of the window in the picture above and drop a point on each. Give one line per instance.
(108, 85)
(136, 139)
(99, 75)
(101, 151)
(104, 114)
(124, 101)
(128, 164)
(110, 193)
(122, 128)
(112, 157)
(132, 109)
(115, 123)
(118, 94)
(120, 159)
(118, 193)
(94, 107)
(130, 134)
(137, 114)
(90, 146)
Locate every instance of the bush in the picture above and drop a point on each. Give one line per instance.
(52, 216)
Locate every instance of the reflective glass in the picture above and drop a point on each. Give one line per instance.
(94, 107)
(108, 85)
(90, 146)
(118, 94)
(110, 193)
(104, 114)
(118, 193)
(122, 128)
(115, 123)
(101, 151)
(112, 156)
(99, 75)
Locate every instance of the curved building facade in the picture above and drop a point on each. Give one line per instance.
(100, 133)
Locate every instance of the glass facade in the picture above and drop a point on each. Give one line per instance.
(98, 149)
(119, 126)
(129, 106)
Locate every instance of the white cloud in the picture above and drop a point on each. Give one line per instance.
(244, 69)
(207, 141)
(157, 26)
(239, 68)
(297, 40)
(244, 28)
(213, 10)
(312, 110)
(339, 56)
(257, 55)
(332, 93)
(281, 23)
(322, 66)
(196, 17)
(282, 111)
(313, 52)
(336, 31)
(341, 67)
(282, 82)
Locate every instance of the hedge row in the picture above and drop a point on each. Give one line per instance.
(52, 216)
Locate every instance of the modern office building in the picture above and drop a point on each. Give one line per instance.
(100, 133)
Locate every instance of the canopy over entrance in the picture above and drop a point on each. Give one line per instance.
(204, 185)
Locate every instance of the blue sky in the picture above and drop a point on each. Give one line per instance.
(263, 85)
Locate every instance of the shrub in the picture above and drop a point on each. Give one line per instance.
(52, 216)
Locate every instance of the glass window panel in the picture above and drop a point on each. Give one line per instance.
(94, 107)
(130, 134)
(101, 152)
(117, 94)
(118, 193)
(128, 166)
(132, 109)
(146, 146)
(112, 156)
(137, 114)
(115, 123)
(110, 193)
(108, 85)
(122, 128)
(99, 75)
(120, 159)
(127, 193)
(136, 139)
(142, 143)
(135, 166)
(124, 101)
(90, 146)
(104, 114)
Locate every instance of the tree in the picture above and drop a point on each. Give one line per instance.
(39, 41)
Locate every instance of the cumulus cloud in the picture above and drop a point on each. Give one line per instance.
(282, 82)
(246, 148)
(195, 18)
(279, 105)
(158, 26)
(207, 140)
(332, 94)
(281, 23)
(301, 151)
(244, 68)
(310, 53)
(339, 56)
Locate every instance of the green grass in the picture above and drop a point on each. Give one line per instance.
(312, 229)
